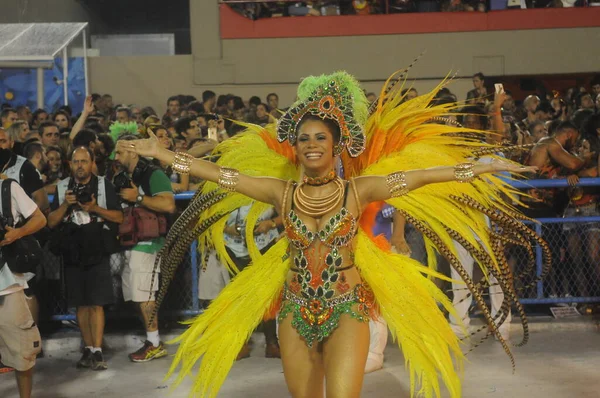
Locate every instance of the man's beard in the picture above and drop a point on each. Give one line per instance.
(5, 155)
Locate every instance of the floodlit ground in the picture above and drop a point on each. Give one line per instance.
(557, 363)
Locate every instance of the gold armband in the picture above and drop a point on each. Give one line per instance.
(396, 183)
(228, 178)
(182, 163)
(463, 172)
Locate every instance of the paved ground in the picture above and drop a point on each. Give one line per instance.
(557, 363)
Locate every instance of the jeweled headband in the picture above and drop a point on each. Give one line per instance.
(329, 97)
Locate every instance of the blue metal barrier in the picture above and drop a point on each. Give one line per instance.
(193, 306)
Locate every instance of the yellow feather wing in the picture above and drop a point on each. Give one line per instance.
(216, 336)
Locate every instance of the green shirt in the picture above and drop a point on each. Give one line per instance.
(159, 183)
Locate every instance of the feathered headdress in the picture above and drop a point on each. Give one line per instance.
(337, 97)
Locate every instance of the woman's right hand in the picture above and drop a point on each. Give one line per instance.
(148, 147)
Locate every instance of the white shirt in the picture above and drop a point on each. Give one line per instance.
(22, 207)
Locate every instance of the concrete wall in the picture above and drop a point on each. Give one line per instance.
(151, 80)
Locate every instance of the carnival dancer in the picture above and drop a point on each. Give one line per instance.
(330, 275)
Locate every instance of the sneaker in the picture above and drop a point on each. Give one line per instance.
(5, 369)
(148, 352)
(98, 362)
(86, 359)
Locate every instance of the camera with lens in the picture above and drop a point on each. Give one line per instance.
(121, 181)
(83, 192)
(3, 225)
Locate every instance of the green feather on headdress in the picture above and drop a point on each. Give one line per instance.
(118, 129)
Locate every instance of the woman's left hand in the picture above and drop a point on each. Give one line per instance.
(504, 165)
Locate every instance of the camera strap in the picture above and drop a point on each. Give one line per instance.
(7, 201)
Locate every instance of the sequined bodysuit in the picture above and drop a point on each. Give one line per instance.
(319, 293)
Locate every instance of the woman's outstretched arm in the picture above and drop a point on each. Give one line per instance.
(263, 189)
(377, 188)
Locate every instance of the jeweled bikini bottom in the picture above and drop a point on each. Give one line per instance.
(316, 318)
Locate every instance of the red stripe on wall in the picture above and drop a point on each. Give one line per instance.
(235, 26)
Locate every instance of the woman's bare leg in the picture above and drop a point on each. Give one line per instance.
(344, 356)
(302, 366)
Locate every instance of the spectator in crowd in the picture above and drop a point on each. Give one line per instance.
(50, 134)
(223, 105)
(123, 115)
(301, 9)
(538, 131)
(543, 112)
(265, 235)
(21, 170)
(104, 148)
(179, 182)
(273, 100)
(18, 131)
(34, 152)
(550, 155)
(24, 113)
(580, 116)
(173, 109)
(595, 84)
(262, 115)
(56, 170)
(584, 101)
(583, 203)
(20, 340)
(188, 129)
(62, 119)
(89, 108)
(136, 114)
(66, 146)
(410, 93)
(107, 104)
(479, 93)
(86, 138)
(509, 108)
(152, 191)
(371, 97)
(148, 111)
(209, 101)
(8, 116)
(560, 109)
(530, 104)
(39, 116)
(87, 208)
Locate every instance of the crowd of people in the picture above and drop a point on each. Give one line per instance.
(107, 201)
(256, 10)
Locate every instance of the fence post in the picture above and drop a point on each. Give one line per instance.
(539, 262)
(194, 265)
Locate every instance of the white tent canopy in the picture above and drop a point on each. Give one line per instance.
(36, 45)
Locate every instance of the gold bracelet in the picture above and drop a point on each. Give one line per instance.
(182, 163)
(396, 183)
(463, 172)
(228, 178)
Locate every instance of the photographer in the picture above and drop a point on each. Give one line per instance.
(20, 340)
(85, 206)
(147, 189)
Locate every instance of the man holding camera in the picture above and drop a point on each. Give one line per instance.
(86, 207)
(20, 340)
(147, 191)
